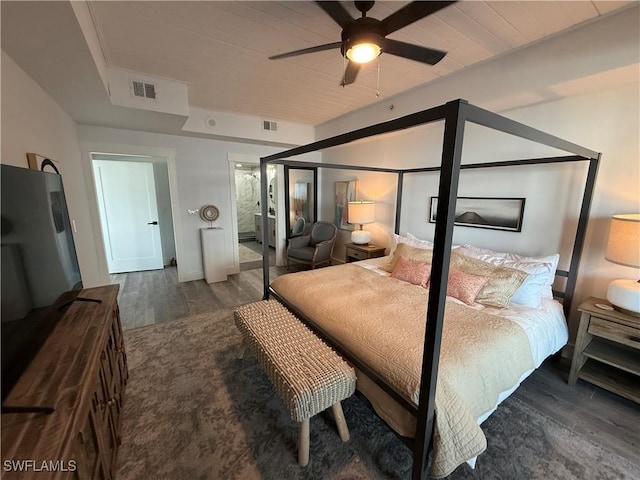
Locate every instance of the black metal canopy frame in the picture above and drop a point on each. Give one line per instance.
(455, 115)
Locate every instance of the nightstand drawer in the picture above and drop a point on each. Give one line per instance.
(615, 332)
(359, 254)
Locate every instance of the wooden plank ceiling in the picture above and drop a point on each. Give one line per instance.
(220, 48)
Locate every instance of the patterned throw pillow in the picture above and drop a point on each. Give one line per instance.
(541, 270)
(503, 281)
(465, 286)
(412, 271)
(406, 251)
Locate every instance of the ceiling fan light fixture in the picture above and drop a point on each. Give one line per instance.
(363, 52)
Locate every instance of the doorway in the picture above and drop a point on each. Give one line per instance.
(134, 204)
(249, 217)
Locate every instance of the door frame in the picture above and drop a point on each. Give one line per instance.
(232, 159)
(87, 150)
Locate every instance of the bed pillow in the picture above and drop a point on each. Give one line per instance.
(426, 243)
(541, 270)
(404, 250)
(417, 242)
(412, 271)
(503, 281)
(465, 286)
(409, 240)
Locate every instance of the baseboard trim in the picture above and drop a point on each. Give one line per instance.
(191, 276)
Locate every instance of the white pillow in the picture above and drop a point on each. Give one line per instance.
(541, 272)
(428, 243)
(411, 241)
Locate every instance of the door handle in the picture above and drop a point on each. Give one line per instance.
(153, 223)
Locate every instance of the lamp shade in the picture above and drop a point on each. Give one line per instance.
(623, 246)
(361, 212)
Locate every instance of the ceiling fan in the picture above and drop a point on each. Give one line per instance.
(364, 39)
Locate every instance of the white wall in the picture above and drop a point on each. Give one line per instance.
(202, 177)
(588, 95)
(33, 122)
(230, 127)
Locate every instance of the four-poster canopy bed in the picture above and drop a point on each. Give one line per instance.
(455, 115)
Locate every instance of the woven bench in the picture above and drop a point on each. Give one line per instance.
(307, 374)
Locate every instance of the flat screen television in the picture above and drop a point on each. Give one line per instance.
(39, 267)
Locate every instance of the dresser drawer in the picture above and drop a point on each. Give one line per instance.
(615, 332)
(359, 254)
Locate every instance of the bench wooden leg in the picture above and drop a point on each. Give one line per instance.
(341, 423)
(303, 442)
(241, 349)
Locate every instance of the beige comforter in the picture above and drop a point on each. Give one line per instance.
(381, 321)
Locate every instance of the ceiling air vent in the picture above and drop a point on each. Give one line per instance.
(271, 126)
(143, 89)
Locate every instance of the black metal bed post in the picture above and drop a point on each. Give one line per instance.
(399, 202)
(315, 194)
(287, 202)
(264, 209)
(578, 244)
(447, 193)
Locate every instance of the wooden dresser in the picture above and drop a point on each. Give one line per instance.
(81, 371)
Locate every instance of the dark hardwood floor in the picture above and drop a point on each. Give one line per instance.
(156, 296)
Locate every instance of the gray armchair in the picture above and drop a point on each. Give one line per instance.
(298, 227)
(314, 249)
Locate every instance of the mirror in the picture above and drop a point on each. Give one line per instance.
(300, 205)
(272, 192)
(301, 200)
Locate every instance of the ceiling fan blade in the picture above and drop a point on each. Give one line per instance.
(304, 51)
(336, 11)
(350, 73)
(410, 13)
(412, 52)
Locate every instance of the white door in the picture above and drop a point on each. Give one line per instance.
(129, 215)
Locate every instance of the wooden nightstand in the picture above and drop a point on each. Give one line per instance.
(362, 252)
(607, 350)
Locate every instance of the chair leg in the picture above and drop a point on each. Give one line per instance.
(341, 423)
(303, 442)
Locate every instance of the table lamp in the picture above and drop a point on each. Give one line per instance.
(360, 213)
(623, 248)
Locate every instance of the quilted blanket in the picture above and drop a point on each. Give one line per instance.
(381, 321)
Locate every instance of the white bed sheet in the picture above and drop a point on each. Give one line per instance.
(545, 326)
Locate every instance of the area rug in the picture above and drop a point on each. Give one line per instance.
(194, 411)
(247, 255)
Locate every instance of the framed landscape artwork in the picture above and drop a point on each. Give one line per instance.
(483, 212)
(345, 192)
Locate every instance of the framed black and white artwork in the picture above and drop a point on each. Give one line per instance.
(484, 212)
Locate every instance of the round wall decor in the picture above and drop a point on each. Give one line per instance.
(209, 213)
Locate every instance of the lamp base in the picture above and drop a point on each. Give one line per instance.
(624, 295)
(360, 237)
